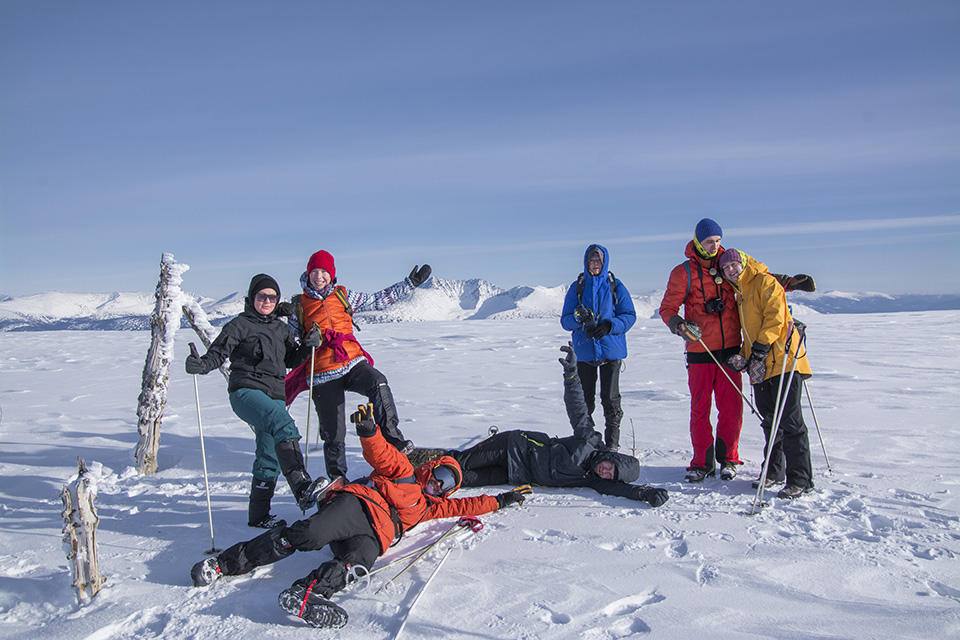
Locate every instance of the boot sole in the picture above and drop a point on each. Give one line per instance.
(318, 613)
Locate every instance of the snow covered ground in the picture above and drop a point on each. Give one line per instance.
(872, 554)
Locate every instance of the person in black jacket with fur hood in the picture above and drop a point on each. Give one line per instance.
(530, 457)
(261, 347)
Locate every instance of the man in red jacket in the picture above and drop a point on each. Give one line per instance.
(359, 522)
(709, 308)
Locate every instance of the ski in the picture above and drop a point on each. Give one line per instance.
(466, 523)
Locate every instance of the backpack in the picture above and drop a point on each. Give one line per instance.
(341, 296)
(582, 283)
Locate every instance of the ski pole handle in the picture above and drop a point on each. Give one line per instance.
(193, 350)
(472, 522)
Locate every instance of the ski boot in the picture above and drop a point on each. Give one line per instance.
(300, 601)
(205, 572)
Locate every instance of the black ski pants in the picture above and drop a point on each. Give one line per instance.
(790, 456)
(342, 523)
(330, 400)
(609, 374)
(485, 463)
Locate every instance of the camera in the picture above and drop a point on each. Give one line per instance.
(715, 306)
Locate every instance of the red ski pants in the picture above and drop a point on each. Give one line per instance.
(707, 381)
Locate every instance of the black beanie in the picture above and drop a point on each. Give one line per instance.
(260, 282)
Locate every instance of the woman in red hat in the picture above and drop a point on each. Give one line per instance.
(340, 364)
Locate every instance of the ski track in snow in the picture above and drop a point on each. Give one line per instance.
(872, 553)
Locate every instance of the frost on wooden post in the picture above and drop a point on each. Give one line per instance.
(80, 533)
(197, 319)
(164, 323)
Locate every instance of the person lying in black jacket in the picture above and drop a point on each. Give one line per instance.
(530, 457)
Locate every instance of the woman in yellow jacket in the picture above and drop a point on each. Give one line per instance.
(772, 348)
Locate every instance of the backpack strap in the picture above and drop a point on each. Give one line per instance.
(687, 265)
(342, 297)
(299, 311)
(582, 282)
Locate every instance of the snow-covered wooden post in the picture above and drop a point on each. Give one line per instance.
(80, 514)
(156, 371)
(197, 318)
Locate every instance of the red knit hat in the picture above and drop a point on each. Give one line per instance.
(322, 260)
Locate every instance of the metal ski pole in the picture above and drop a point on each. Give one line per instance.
(203, 454)
(735, 385)
(817, 423)
(306, 448)
(466, 523)
(416, 599)
(777, 416)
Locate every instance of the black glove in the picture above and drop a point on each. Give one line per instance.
(516, 496)
(689, 331)
(801, 282)
(757, 364)
(363, 418)
(570, 361)
(583, 315)
(737, 362)
(312, 339)
(194, 365)
(653, 495)
(285, 309)
(599, 330)
(418, 277)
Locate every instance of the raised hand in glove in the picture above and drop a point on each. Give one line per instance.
(363, 418)
(654, 496)
(285, 309)
(570, 361)
(757, 364)
(515, 496)
(312, 339)
(194, 365)
(599, 330)
(419, 276)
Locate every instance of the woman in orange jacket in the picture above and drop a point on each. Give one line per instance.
(359, 522)
(340, 364)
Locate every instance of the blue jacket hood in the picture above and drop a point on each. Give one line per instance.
(606, 260)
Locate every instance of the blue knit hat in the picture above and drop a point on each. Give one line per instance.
(707, 228)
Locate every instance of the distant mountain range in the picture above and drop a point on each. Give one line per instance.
(438, 299)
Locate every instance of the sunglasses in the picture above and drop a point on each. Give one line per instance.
(266, 297)
(445, 478)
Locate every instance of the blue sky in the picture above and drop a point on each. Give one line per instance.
(492, 139)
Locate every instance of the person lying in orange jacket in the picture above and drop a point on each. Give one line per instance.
(359, 522)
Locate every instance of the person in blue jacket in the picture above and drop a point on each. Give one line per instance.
(599, 311)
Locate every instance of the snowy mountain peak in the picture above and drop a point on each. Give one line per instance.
(437, 299)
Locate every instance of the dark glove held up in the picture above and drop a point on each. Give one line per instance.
(312, 339)
(570, 361)
(599, 330)
(418, 277)
(285, 309)
(363, 418)
(654, 496)
(194, 365)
